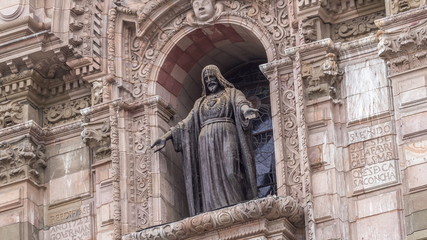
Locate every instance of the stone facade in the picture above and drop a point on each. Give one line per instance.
(87, 85)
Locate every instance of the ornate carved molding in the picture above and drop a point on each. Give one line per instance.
(21, 159)
(404, 50)
(115, 167)
(398, 6)
(142, 179)
(403, 18)
(64, 112)
(269, 208)
(273, 23)
(334, 7)
(356, 27)
(302, 142)
(86, 27)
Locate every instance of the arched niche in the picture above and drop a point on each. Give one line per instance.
(237, 52)
(169, 55)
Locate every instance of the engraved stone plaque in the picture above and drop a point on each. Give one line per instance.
(373, 163)
(375, 175)
(70, 222)
(67, 213)
(367, 133)
(77, 229)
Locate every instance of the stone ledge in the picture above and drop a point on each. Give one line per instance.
(269, 208)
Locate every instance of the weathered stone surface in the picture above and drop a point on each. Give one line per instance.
(367, 91)
(379, 204)
(383, 226)
(68, 186)
(415, 125)
(416, 177)
(415, 152)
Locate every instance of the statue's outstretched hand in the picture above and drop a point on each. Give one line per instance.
(159, 144)
(251, 113)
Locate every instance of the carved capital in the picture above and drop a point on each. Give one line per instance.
(97, 137)
(404, 50)
(322, 77)
(22, 159)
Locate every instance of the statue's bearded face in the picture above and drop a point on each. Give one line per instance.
(211, 82)
(203, 9)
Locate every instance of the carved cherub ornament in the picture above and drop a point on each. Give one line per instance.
(205, 12)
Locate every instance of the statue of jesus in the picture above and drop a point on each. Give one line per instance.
(215, 141)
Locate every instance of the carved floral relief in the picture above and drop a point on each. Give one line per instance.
(64, 112)
(356, 27)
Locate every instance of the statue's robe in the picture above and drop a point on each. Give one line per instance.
(216, 145)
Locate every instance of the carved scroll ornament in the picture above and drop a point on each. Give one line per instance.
(64, 112)
(270, 208)
(273, 24)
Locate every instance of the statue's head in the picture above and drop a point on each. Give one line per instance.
(213, 80)
(203, 9)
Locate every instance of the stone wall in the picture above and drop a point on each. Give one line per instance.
(86, 85)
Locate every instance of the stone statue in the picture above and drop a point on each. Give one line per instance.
(205, 12)
(215, 140)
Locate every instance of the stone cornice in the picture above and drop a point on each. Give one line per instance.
(267, 67)
(393, 42)
(402, 18)
(40, 134)
(270, 208)
(324, 43)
